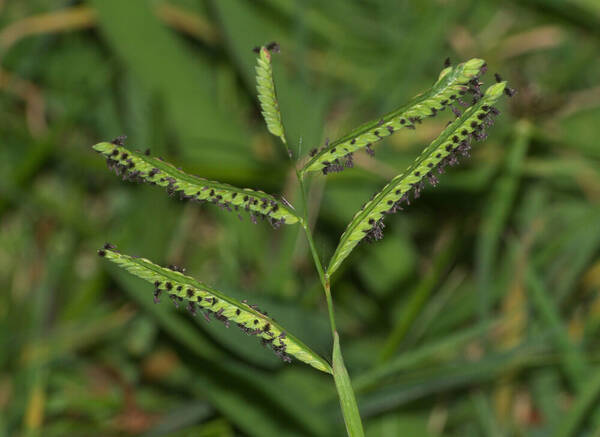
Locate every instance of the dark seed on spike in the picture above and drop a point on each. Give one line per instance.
(102, 252)
(169, 286)
(147, 152)
(267, 327)
(115, 152)
(474, 124)
(417, 173)
(179, 288)
(124, 155)
(497, 77)
(353, 141)
(455, 139)
(157, 284)
(238, 312)
(256, 321)
(120, 140)
(402, 121)
(464, 132)
(447, 63)
(190, 292)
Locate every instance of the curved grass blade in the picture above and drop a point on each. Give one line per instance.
(140, 167)
(249, 318)
(444, 150)
(266, 92)
(452, 83)
(345, 392)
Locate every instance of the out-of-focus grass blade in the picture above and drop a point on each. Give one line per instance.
(496, 214)
(446, 346)
(345, 392)
(458, 374)
(417, 299)
(570, 424)
(182, 78)
(574, 362)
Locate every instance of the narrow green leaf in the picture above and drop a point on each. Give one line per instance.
(345, 392)
(451, 83)
(266, 92)
(141, 167)
(582, 405)
(224, 308)
(444, 150)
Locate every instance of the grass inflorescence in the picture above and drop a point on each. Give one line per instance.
(446, 150)
(199, 297)
(141, 167)
(451, 88)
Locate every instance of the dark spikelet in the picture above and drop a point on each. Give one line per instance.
(120, 140)
(273, 47)
(101, 252)
(497, 77)
(447, 62)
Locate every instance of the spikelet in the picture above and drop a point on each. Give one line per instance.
(200, 297)
(452, 84)
(266, 92)
(141, 167)
(445, 150)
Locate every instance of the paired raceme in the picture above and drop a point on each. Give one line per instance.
(200, 297)
(454, 141)
(141, 167)
(266, 91)
(453, 83)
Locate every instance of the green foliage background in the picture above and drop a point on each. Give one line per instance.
(477, 315)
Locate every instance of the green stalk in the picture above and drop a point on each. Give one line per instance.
(343, 385)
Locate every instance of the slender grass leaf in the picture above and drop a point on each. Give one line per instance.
(583, 404)
(266, 92)
(345, 392)
(140, 167)
(451, 84)
(180, 287)
(444, 150)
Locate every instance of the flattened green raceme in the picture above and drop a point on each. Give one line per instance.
(452, 84)
(200, 297)
(266, 93)
(444, 150)
(140, 167)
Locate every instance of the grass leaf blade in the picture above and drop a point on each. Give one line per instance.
(368, 222)
(451, 84)
(345, 392)
(180, 287)
(140, 167)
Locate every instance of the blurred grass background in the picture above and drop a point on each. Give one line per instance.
(477, 315)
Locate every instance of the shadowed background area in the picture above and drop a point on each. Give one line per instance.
(478, 314)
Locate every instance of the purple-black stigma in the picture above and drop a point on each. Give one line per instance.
(120, 140)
